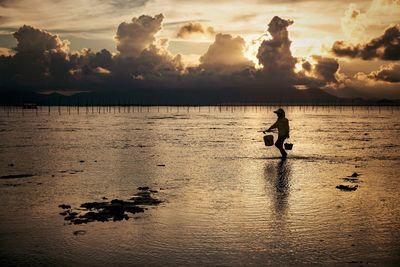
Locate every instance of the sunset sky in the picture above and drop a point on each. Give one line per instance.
(320, 32)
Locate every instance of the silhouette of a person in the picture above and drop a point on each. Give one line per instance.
(282, 124)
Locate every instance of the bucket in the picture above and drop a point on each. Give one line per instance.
(269, 140)
(288, 146)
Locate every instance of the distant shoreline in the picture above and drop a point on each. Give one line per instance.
(206, 97)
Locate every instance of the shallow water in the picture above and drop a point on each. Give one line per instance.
(228, 199)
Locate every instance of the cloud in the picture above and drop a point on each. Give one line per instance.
(363, 85)
(40, 58)
(31, 40)
(385, 47)
(383, 83)
(6, 3)
(389, 73)
(132, 38)
(354, 23)
(326, 68)
(124, 4)
(154, 64)
(375, 15)
(275, 55)
(102, 59)
(4, 19)
(306, 66)
(245, 17)
(192, 28)
(318, 72)
(42, 61)
(226, 55)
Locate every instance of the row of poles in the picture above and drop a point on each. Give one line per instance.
(170, 109)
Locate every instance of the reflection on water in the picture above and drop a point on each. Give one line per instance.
(278, 174)
(229, 200)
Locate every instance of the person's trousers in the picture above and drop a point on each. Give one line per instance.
(279, 144)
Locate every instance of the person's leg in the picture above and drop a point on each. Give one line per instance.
(279, 145)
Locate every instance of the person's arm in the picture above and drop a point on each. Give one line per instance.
(273, 126)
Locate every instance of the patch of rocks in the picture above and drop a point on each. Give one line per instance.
(347, 187)
(114, 210)
(353, 179)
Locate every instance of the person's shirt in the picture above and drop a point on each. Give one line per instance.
(282, 124)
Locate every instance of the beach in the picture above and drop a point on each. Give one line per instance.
(227, 200)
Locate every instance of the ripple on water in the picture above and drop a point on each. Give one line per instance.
(228, 199)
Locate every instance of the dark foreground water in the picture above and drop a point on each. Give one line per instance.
(228, 199)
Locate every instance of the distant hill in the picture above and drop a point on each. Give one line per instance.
(226, 96)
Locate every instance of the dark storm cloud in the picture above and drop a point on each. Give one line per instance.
(103, 59)
(390, 73)
(40, 58)
(275, 54)
(343, 49)
(43, 61)
(326, 68)
(191, 28)
(306, 66)
(31, 40)
(140, 61)
(321, 72)
(385, 47)
(153, 66)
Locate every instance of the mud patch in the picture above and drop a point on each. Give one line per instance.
(15, 176)
(114, 210)
(353, 179)
(347, 187)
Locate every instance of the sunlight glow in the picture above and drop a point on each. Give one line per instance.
(252, 45)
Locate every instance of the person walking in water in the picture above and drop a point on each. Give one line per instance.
(282, 124)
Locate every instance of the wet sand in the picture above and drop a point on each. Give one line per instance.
(226, 198)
